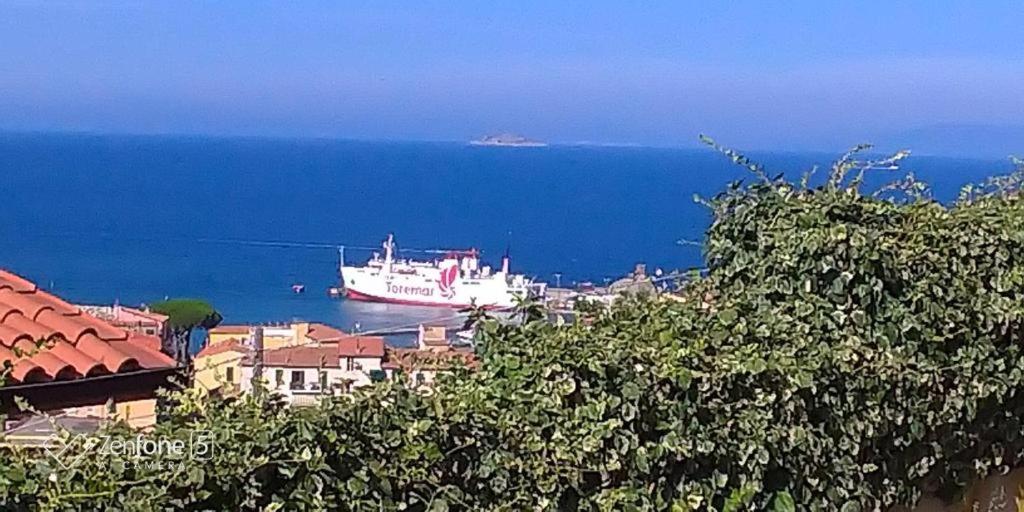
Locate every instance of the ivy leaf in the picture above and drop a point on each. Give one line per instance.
(727, 316)
(783, 502)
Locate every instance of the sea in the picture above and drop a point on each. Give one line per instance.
(100, 219)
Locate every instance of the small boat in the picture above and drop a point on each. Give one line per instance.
(298, 288)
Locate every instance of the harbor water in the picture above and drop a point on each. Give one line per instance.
(100, 219)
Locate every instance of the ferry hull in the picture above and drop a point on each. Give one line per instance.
(355, 295)
(373, 285)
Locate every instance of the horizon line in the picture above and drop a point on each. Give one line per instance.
(696, 146)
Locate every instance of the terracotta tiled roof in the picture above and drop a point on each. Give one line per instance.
(76, 344)
(318, 332)
(300, 357)
(229, 345)
(360, 346)
(156, 317)
(408, 359)
(323, 332)
(231, 329)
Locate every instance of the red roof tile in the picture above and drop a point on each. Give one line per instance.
(229, 345)
(150, 342)
(45, 338)
(323, 332)
(301, 357)
(360, 346)
(231, 329)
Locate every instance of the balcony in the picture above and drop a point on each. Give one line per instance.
(312, 388)
(307, 394)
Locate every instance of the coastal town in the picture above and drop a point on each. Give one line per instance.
(87, 364)
(83, 366)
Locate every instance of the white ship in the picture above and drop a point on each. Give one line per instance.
(456, 280)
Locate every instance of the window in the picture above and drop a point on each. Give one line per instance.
(349, 364)
(298, 379)
(229, 374)
(279, 377)
(323, 379)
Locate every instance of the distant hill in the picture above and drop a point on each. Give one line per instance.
(988, 141)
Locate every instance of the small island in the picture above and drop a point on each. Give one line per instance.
(507, 139)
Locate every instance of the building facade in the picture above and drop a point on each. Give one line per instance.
(301, 362)
(304, 362)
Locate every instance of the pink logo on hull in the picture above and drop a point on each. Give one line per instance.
(446, 282)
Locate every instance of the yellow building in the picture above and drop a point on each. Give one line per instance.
(224, 333)
(218, 367)
(274, 336)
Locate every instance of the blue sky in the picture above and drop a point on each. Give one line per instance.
(794, 75)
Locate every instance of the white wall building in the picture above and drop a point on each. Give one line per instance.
(302, 374)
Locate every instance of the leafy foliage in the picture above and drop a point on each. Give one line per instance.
(844, 352)
(184, 316)
(188, 313)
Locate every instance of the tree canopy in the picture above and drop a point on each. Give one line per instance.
(188, 313)
(184, 316)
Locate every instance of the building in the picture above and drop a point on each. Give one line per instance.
(423, 365)
(217, 368)
(277, 335)
(59, 357)
(433, 338)
(361, 359)
(301, 361)
(223, 333)
(303, 374)
(140, 321)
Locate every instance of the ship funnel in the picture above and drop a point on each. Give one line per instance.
(389, 248)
